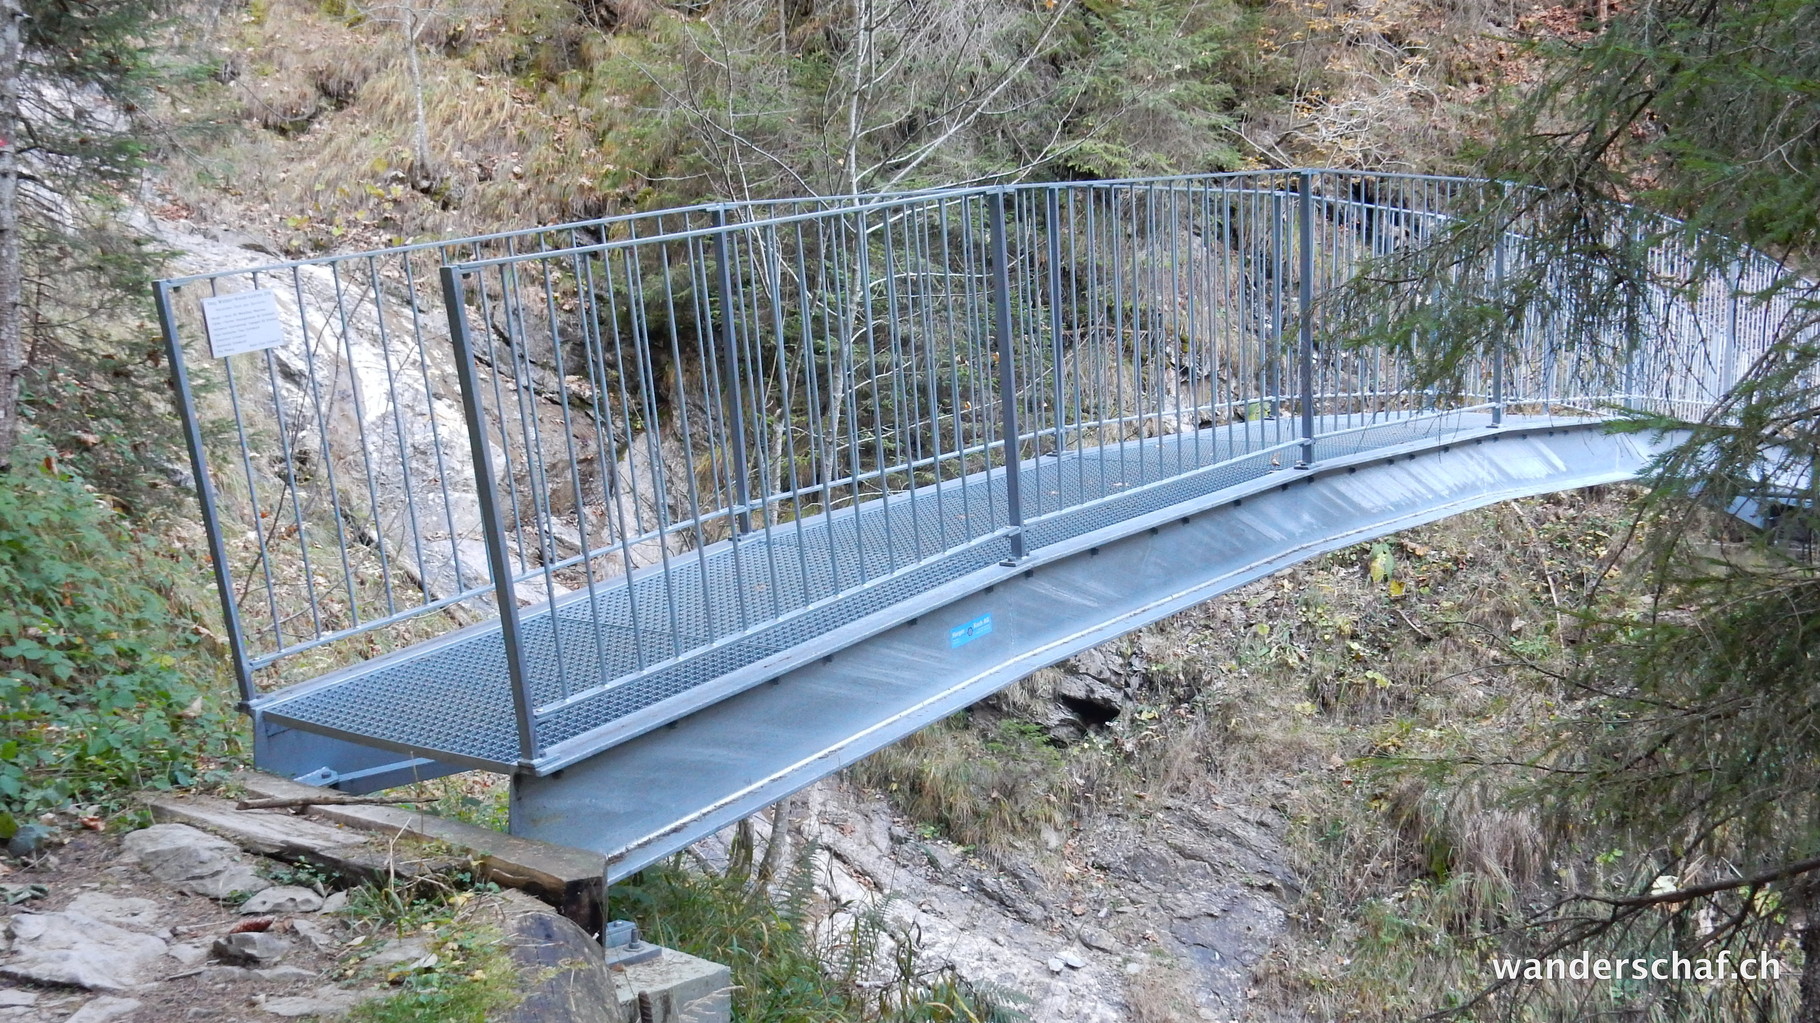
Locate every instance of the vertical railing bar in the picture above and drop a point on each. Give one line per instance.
(1728, 372)
(818, 433)
(960, 339)
(505, 592)
(290, 463)
(322, 443)
(697, 521)
(874, 374)
(442, 470)
(904, 427)
(360, 430)
(404, 447)
(615, 513)
(1305, 303)
(499, 398)
(1273, 383)
(1007, 384)
(658, 484)
(1052, 221)
(730, 353)
(931, 294)
(260, 532)
(205, 492)
(1500, 341)
(786, 382)
(749, 361)
(581, 513)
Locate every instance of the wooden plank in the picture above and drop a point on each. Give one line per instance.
(348, 851)
(569, 879)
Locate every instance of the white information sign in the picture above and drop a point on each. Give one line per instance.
(246, 321)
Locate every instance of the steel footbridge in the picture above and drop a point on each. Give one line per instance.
(671, 514)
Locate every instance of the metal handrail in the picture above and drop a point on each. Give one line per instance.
(596, 424)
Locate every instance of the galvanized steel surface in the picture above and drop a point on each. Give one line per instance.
(507, 501)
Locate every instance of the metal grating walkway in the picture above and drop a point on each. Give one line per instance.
(661, 648)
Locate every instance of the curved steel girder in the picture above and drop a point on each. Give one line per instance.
(654, 795)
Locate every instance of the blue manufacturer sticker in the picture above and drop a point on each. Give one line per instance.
(961, 635)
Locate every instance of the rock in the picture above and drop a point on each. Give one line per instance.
(566, 979)
(327, 1001)
(1096, 939)
(1095, 663)
(12, 996)
(1225, 940)
(243, 240)
(281, 900)
(335, 903)
(1071, 959)
(14, 894)
(189, 953)
(29, 840)
(1057, 966)
(192, 860)
(255, 947)
(1090, 700)
(940, 859)
(316, 934)
(103, 1009)
(67, 948)
(143, 915)
(397, 953)
(241, 974)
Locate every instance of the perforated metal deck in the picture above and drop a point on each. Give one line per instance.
(661, 648)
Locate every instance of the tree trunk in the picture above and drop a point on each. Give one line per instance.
(12, 306)
(1809, 1011)
(421, 172)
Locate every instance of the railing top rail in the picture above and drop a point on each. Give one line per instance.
(887, 203)
(835, 203)
(894, 200)
(523, 232)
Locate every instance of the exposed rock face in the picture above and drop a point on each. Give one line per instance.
(1199, 886)
(1083, 693)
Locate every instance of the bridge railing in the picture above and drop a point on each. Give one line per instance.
(591, 421)
(326, 428)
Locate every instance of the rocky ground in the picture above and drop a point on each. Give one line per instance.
(171, 923)
(1168, 918)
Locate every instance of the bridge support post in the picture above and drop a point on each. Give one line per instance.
(486, 488)
(729, 355)
(1305, 305)
(1007, 382)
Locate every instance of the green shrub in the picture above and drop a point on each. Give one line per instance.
(103, 688)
